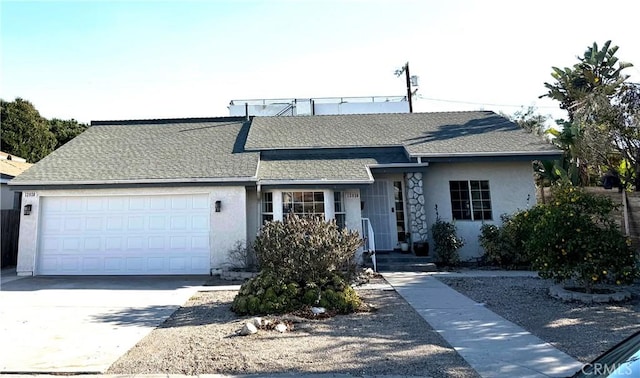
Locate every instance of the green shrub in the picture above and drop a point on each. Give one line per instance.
(306, 249)
(303, 262)
(574, 237)
(268, 294)
(504, 246)
(446, 242)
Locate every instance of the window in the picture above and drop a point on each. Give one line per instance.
(338, 208)
(267, 207)
(470, 200)
(306, 204)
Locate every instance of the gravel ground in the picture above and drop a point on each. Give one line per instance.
(200, 338)
(583, 331)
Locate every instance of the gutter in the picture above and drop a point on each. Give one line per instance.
(134, 182)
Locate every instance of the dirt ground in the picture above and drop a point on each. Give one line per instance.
(201, 338)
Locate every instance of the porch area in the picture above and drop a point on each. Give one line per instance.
(397, 261)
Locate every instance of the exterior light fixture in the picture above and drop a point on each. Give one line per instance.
(218, 206)
(27, 209)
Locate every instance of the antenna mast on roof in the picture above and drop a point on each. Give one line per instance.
(411, 81)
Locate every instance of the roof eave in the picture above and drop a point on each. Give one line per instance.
(549, 154)
(215, 180)
(315, 182)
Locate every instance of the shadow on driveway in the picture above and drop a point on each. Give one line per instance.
(103, 283)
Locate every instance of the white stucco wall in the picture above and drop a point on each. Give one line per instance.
(227, 226)
(511, 188)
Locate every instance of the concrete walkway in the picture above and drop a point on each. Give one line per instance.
(493, 346)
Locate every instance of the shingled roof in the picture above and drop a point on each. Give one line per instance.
(422, 134)
(272, 150)
(149, 151)
(351, 166)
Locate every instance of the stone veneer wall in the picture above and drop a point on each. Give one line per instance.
(417, 212)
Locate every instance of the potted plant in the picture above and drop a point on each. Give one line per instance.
(405, 243)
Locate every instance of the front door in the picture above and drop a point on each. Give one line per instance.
(383, 204)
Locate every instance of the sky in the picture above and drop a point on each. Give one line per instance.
(107, 60)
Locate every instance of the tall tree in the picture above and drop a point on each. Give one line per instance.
(588, 91)
(65, 130)
(597, 70)
(24, 132)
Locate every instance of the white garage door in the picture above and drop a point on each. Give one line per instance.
(164, 234)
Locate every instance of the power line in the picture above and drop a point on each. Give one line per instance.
(482, 103)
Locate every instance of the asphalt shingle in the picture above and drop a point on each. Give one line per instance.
(330, 167)
(143, 151)
(422, 134)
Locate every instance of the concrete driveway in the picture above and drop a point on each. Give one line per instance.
(82, 324)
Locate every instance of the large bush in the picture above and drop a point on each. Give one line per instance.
(574, 237)
(302, 262)
(504, 245)
(446, 242)
(306, 249)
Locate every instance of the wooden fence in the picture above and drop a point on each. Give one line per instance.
(10, 228)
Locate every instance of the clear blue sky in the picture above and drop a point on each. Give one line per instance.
(96, 60)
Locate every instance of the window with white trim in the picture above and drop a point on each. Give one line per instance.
(338, 208)
(267, 207)
(303, 204)
(470, 200)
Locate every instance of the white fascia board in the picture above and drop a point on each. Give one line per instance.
(141, 181)
(487, 154)
(316, 182)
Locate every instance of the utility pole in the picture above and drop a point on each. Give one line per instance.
(409, 96)
(410, 80)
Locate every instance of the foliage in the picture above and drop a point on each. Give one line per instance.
(446, 242)
(271, 294)
(530, 120)
(242, 256)
(65, 130)
(306, 249)
(597, 69)
(24, 132)
(303, 262)
(27, 134)
(504, 246)
(603, 116)
(575, 238)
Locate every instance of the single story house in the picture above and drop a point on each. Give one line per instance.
(173, 196)
(10, 167)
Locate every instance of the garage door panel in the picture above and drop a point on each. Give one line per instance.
(93, 244)
(178, 223)
(124, 235)
(74, 204)
(115, 223)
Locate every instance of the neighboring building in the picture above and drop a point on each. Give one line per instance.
(174, 196)
(10, 167)
(319, 106)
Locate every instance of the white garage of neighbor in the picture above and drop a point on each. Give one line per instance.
(124, 234)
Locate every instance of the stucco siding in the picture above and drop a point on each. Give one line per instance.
(226, 227)
(511, 188)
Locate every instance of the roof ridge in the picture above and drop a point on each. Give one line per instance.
(383, 114)
(161, 121)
